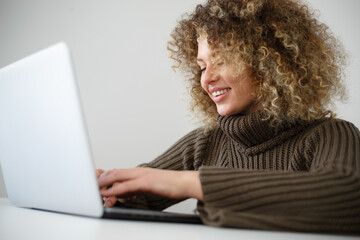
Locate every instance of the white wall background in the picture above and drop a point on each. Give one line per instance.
(132, 99)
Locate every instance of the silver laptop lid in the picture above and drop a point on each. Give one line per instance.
(44, 150)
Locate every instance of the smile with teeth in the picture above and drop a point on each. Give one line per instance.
(218, 93)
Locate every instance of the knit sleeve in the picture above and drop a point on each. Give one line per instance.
(185, 154)
(326, 198)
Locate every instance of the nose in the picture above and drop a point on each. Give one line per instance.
(209, 76)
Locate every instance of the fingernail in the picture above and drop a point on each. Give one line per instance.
(108, 203)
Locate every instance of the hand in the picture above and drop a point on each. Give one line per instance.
(126, 183)
(108, 201)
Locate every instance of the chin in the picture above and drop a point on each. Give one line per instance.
(224, 115)
(228, 111)
(225, 112)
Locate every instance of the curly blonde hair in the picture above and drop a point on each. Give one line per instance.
(296, 63)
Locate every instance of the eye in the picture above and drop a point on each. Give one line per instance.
(202, 70)
(221, 63)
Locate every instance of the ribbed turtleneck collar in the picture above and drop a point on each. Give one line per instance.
(253, 134)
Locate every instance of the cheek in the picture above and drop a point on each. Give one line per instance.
(233, 82)
(202, 83)
(241, 82)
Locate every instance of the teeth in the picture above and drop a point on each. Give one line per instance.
(217, 93)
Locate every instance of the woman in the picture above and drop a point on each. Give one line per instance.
(271, 155)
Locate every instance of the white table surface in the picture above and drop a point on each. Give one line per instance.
(20, 223)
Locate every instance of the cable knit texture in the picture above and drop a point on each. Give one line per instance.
(304, 177)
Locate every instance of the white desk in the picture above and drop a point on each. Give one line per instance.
(19, 223)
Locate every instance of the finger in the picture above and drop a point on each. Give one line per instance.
(103, 198)
(99, 172)
(118, 175)
(110, 201)
(123, 190)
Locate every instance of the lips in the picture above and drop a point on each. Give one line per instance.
(220, 92)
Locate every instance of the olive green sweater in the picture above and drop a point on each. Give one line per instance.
(298, 178)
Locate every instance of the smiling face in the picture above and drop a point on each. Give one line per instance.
(231, 94)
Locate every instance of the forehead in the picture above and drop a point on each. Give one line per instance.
(203, 48)
(201, 36)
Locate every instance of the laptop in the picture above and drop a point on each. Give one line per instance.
(45, 153)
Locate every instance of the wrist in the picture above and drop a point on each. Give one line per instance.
(192, 185)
